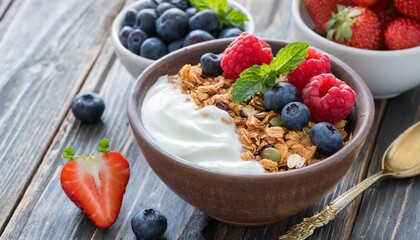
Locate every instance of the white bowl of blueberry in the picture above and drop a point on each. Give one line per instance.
(146, 30)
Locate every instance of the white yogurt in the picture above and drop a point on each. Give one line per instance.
(204, 136)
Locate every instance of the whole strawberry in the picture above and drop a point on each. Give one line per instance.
(315, 63)
(328, 98)
(402, 33)
(365, 3)
(96, 183)
(356, 27)
(246, 50)
(409, 8)
(321, 11)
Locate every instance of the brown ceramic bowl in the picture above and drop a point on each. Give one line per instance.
(240, 199)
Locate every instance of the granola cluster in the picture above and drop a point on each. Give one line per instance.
(252, 120)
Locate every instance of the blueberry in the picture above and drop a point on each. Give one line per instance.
(230, 32)
(153, 48)
(210, 64)
(197, 36)
(181, 4)
(295, 115)
(206, 20)
(146, 21)
(130, 17)
(88, 107)
(149, 224)
(123, 35)
(135, 40)
(162, 7)
(191, 11)
(147, 4)
(326, 138)
(173, 46)
(276, 97)
(172, 25)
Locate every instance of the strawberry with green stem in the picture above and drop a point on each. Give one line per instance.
(96, 183)
(356, 27)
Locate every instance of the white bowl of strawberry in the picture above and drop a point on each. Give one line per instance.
(299, 115)
(147, 30)
(379, 39)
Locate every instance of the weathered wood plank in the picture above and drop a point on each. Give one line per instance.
(391, 209)
(43, 65)
(4, 6)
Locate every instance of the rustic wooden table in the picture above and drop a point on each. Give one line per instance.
(51, 50)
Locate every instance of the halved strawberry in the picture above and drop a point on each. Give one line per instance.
(96, 183)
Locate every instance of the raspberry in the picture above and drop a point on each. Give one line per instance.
(314, 64)
(328, 98)
(246, 50)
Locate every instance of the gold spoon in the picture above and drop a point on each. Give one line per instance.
(400, 160)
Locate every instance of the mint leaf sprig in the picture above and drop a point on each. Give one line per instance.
(257, 79)
(227, 16)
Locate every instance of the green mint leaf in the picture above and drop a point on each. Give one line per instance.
(68, 153)
(103, 145)
(289, 57)
(216, 5)
(258, 79)
(234, 17)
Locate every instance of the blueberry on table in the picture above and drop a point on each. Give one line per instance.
(190, 11)
(197, 36)
(149, 224)
(175, 45)
(123, 35)
(206, 20)
(135, 40)
(295, 115)
(88, 107)
(153, 48)
(130, 17)
(210, 64)
(326, 138)
(230, 32)
(162, 7)
(276, 97)
(172, 25)
(146, 21)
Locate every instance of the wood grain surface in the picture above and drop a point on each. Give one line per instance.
(67, 50)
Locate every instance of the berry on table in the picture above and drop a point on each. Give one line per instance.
(328, 98)
(276, 97)
(315, 63)
(210, 64)
(153, 48)
(146, 21)
(402, 33)
(135, 40)
(123, 35)
(149, 224)
(88, 107)
(295, 116)
(326, 138)
(197, 36)
(245, 51)
(206, 20)
(172, 25)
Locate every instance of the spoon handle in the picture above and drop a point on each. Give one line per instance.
(329, 212)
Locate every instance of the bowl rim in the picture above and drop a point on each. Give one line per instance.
(296, 6)
(116, 26)
(364, 96)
